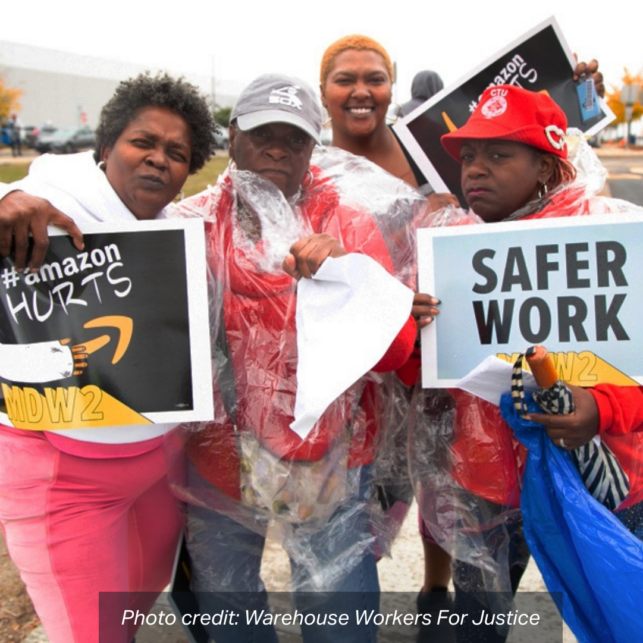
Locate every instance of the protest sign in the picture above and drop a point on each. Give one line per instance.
(540, 60)
(570, 284)
(116, 334)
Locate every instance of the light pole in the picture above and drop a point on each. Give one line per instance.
(629, 95)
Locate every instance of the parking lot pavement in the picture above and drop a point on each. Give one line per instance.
(6, 158)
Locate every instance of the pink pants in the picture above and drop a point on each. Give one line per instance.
(76, 526)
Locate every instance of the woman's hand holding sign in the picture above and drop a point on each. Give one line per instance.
(590, 69)
(424, 310)
(22, 214)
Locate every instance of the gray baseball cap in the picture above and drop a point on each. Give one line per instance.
(273, 98)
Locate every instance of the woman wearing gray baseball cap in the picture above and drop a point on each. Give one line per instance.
(248, 468)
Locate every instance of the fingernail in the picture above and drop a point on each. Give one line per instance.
(437, 301)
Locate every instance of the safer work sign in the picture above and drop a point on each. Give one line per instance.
(571, 284)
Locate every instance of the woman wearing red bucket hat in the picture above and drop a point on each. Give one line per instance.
(515, 166)
(512, 151)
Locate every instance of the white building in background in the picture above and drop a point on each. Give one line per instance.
(63, 88)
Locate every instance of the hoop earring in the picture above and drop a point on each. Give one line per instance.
(542, 192)
(311, 178)
(101, 165)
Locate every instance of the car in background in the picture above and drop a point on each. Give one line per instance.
(31, 138)
(221, 138)
(27, 134)
(67, 141)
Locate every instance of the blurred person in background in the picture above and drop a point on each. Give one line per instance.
(14, 127)
(425, 85)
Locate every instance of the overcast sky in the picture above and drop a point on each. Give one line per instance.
(240, 39)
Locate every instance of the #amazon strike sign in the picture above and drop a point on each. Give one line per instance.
(117, 334)
(570, 284)
(539, 61)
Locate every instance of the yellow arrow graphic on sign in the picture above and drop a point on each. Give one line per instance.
(125, 326)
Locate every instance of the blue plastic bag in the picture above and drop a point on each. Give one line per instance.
(590, 562)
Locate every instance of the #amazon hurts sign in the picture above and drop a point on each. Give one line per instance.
(116, 334)
(573, 285)
(540, 61)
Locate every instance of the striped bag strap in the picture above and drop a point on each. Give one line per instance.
(518, 387)
(598, 467)
(601, 473)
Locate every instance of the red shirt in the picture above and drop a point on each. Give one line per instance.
(258, 309)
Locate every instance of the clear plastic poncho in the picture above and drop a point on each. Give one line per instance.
(246, 469)
(466, 464)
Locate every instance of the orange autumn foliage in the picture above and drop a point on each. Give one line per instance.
(613, 97)
(9, 100)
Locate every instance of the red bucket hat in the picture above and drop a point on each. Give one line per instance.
(513, 114)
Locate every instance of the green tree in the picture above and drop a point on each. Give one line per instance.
(222, 116)
(9, 100)
(614, 98)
